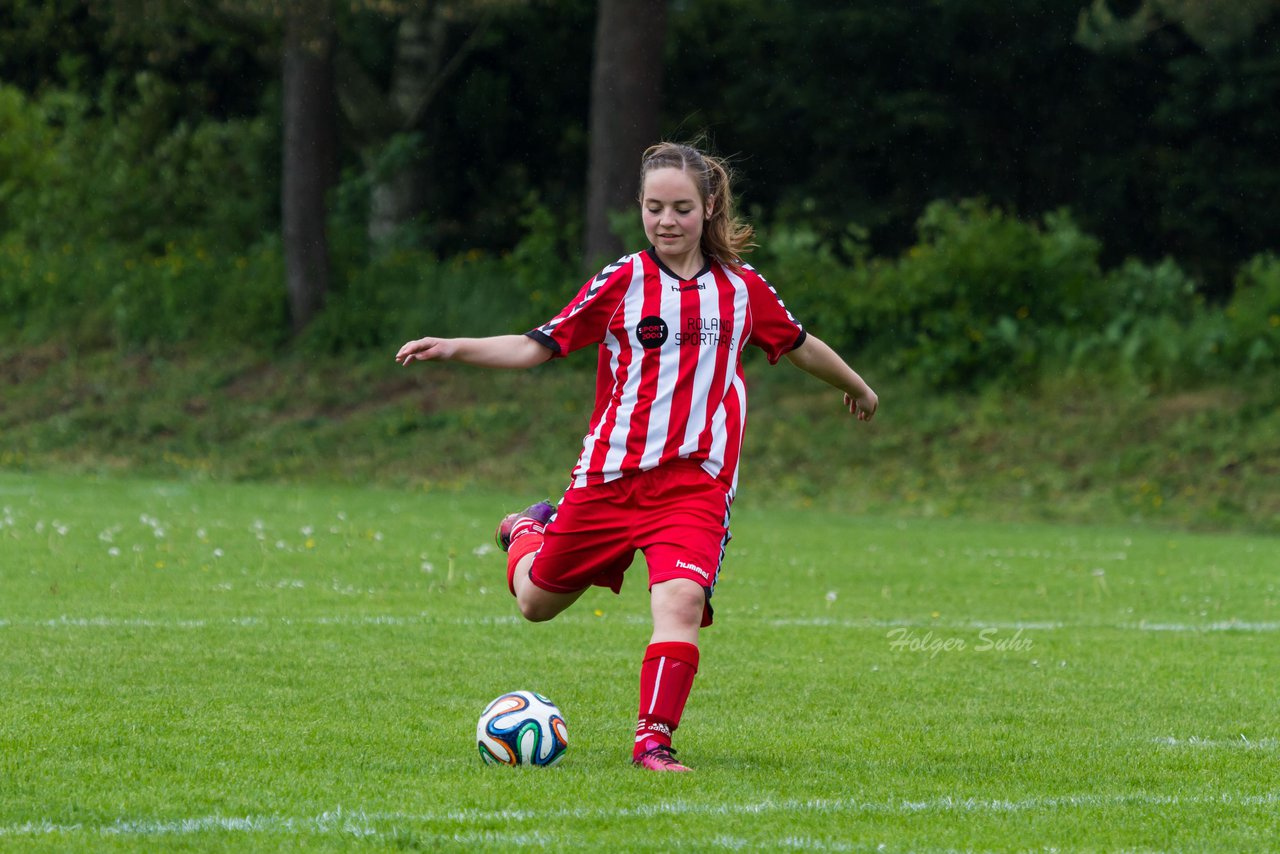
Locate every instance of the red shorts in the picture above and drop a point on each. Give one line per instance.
(677, 514)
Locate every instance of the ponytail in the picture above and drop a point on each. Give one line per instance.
(725, 236)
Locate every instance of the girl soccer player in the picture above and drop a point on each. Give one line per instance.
(659, 464)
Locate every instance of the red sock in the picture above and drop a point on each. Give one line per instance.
(666, 678)
(526, 543)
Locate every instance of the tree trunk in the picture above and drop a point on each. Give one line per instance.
(394, 124)
(309, 162)
(400, 172)
(394, 200)
(626, 95)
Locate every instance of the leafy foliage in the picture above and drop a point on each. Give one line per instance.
(972, 299)
(985, 297)
(188, 293)
(1130, 193)
(1161, 145)
(883, 108)
(68, 174)
(1253, 317)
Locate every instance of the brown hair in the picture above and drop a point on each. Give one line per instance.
(724, 235)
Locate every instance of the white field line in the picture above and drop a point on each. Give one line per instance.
(69, 622)
(1027, 625)
(1241, 743)
(368, 824)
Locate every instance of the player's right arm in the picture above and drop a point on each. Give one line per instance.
(498, 351)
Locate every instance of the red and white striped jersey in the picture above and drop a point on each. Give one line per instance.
(669, 379)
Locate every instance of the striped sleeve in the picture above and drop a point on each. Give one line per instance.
(773, 329)
(585, 319)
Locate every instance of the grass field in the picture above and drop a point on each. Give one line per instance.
(201, 666)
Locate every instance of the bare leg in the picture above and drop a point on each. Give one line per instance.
(538, 605)
(677, 610)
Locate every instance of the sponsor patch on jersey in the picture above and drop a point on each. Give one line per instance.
(651, 332)
(704, 332)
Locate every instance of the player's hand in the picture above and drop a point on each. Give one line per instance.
(863, 406)
(426, 350)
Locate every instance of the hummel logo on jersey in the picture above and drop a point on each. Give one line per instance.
(682, 565)
(696, 286)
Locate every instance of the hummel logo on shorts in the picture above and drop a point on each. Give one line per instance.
(682, 565)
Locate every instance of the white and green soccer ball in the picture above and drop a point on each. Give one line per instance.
(522, 728)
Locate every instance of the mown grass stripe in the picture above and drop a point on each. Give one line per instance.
(100, 622)
(360, 823)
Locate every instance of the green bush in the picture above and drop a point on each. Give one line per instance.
(191, 293)
(985, 297)
(56, 291)
(408, 293)
(1136, 290)
(1145, 334)
(401, 294)
(823, 284)
(108, 236)
(72, 170)
(1162, 333)
(108, 294)
(1252, 340)
(975, 298)
(27, 158)
(543, 266)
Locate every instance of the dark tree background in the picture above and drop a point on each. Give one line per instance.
(866, 111)
(626, 103)
(309, 164)
(1153, 121)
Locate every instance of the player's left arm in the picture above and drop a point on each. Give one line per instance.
(815, 357)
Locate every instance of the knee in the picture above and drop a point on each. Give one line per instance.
(689, 606)
(679, 602)
(535, 612)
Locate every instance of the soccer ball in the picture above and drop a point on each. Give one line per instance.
(522, 728)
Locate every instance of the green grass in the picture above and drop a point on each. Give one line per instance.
(204, 666)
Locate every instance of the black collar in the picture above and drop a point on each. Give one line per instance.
(706, 268)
